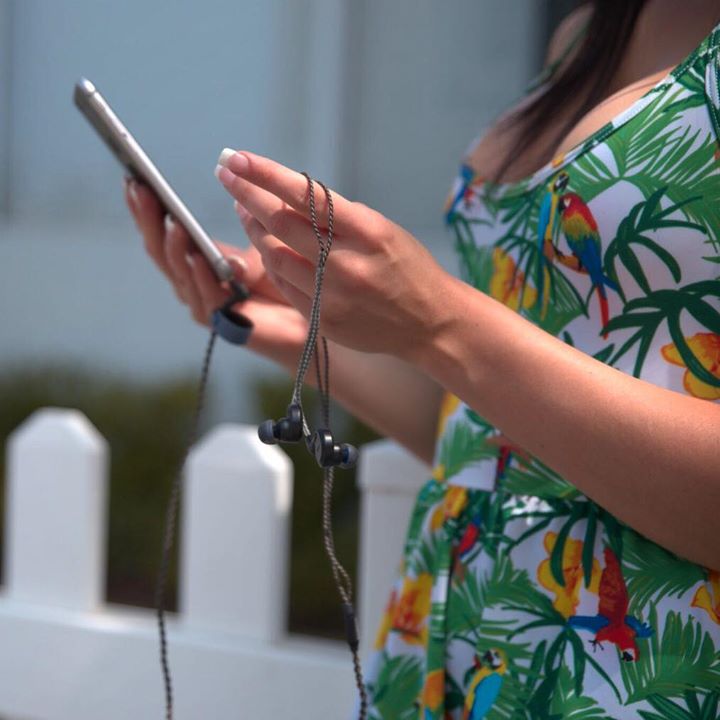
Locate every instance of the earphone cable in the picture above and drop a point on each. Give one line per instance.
(340, 575)
(169, 531)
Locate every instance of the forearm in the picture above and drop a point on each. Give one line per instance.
(647, 454)
(393, 397)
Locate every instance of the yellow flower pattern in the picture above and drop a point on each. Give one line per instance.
(706, 348)
(709, 600)
(452, 505)
(567, 598)
(410, 613)
(507, 283)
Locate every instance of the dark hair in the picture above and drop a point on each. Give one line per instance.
(587, 74)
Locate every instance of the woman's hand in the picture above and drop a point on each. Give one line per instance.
(279, 331)
(382, 291)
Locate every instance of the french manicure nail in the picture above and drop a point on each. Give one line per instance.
(239, 262)
(133, 194)
(225, 155)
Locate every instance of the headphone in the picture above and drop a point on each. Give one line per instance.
(321, 444)
(236, 329)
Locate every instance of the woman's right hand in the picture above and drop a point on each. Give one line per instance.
(279, 329)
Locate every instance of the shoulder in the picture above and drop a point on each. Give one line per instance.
(566, 32)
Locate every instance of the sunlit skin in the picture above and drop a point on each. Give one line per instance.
(401, 328)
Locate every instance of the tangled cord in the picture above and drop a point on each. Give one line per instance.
(340, 575)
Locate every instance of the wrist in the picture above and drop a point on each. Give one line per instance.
(436, 346)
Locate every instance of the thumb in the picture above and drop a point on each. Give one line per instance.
(239, 267)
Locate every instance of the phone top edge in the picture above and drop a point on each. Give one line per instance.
(121, 142)
(85, 85)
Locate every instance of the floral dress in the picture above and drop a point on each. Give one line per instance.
(518, 596)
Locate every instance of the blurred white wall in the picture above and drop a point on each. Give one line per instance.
(377, 98)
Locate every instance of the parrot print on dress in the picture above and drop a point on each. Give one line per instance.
(485, 684)
(501, 608)
(548, 225)
(583, 238)
(468, 180)
(612, 624)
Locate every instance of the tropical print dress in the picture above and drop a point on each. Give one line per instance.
(518, 596)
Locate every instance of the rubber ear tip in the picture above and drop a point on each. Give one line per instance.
(350, 456)
(266, 434)
(231, 326)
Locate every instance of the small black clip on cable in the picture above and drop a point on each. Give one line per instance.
(229, 324)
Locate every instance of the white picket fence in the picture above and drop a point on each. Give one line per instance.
(67, 655)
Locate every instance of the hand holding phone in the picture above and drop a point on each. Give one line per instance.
(231, 325)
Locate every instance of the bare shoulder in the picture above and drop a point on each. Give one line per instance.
(567, 31)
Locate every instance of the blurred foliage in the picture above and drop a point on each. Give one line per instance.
(146, 425)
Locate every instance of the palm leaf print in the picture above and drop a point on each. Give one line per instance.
(477, 265)
(646, 217)
(652, 150)
(566, 703)
(651, 572)
(684, 658)
(648, 313)
(667, 709)
(398, 685)
(537, 479)
(462, 446)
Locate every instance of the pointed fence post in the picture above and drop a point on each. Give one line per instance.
(236, 516)
(389, 479)
(56, 511)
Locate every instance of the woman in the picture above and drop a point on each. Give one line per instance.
(564, 557)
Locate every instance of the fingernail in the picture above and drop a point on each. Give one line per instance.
(225, 155)
(133, 194)
(169, 224)
(223, 175)
(234, 160)
(240, 263)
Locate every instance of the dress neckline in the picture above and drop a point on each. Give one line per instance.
(531, 181)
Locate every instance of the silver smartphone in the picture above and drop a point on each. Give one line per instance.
(128, 151)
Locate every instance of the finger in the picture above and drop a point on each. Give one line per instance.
(292, 188)
(278, 259)
(212, 295)
(194, 299)
(278, 218)
(276, 327)
(148, 214)
(254, 277)
(295, 297)
(178, 247)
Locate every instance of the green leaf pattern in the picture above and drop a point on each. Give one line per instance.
(524, 567)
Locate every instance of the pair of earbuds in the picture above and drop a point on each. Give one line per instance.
(236, 328)
(320, 443)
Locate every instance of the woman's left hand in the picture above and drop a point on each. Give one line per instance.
(382, 291)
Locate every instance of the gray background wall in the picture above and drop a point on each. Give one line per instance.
(378, 98)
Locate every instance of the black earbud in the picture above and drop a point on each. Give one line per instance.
(287, 429)
(328, 453)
